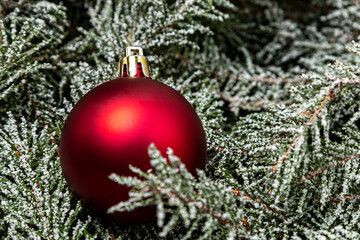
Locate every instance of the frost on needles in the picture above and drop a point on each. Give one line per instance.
(174, 190)
(275, 84)
(35, 198)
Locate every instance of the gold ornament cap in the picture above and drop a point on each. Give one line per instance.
(129, 65)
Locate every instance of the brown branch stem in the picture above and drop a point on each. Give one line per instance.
(203, 209)
(339, 199)
(239, 194)
(309, 124)
(346, 197)
(226, 150)
(329, 97)
(318, 171)
(265, 206)
(17, 152)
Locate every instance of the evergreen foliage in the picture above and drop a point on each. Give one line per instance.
(275, 84)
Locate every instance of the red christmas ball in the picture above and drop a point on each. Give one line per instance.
(112, 126)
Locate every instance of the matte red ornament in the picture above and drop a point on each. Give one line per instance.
(113, 125)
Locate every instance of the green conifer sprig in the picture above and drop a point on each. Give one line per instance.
(35, 200)
(29, 31)
(185, 198)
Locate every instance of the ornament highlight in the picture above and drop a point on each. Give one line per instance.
(113, 125)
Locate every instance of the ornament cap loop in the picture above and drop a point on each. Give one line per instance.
(134, 65)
